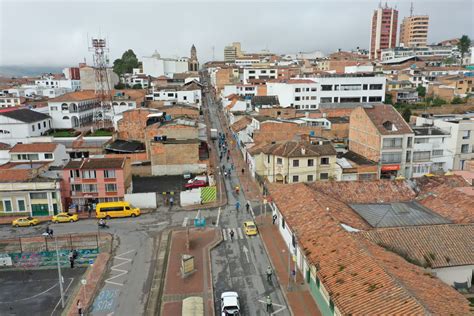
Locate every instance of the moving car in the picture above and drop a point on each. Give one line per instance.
(250, 228)
(230, 303)
(25, 221)
(195, 183)
(116, 209)
(65, 217)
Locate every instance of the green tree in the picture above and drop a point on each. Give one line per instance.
(406, 114)
(119, 86)
(449, 61)
(463, 46)
(137, 86)
(457, 100)
(421, 91)
(126, 64)
(388, 99)
(438, 102)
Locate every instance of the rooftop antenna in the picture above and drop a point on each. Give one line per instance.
(213, 53)
(411, 9)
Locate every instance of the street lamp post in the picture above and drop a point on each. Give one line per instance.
(59, 273)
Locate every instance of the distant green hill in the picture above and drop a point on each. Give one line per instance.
(22, 71)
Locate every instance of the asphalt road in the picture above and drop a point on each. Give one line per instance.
(240, 264)
(35, 292)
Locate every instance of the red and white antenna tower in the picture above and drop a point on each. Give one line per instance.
(105, 111)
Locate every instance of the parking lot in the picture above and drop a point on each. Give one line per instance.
(37, 291)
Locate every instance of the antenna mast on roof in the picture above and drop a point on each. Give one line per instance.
(104, 110)
(411, 9)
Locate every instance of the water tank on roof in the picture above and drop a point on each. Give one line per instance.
(311, 133)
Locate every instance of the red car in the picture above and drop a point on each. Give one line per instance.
(195, 184)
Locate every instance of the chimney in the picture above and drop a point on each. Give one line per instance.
(303, 151)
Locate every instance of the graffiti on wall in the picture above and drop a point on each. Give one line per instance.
(49, 258)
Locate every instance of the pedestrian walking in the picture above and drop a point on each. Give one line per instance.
(171, 201)
(237, 206)
(71, 261)
(231, 235)
(220, 157)
(232, 166)
(243, 171)
(269, 274)
(79, 308)
(247, 206)
(228, 158)
(89, 209)
(237, 189)
(225, 174)
(274, 218)
(269, 303)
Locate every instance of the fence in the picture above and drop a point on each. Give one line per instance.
(142, 200)
(41, 243)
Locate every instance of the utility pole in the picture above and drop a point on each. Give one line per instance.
(59, 273)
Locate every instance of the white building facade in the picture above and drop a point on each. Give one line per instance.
(23, 124)
(157, 66)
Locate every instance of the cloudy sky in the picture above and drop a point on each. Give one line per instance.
(56, 33)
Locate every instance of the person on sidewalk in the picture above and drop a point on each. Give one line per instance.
(247, 206)
(269, 304)
(237, 206)
(171, 201)
(231, 235)
(79, 308)
(274, 218)
(71, 261)
(243, 171)
(269, 274)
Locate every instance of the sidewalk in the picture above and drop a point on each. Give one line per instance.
(297, 294)
(198, 283)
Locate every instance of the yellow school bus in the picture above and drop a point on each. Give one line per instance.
(116, 209)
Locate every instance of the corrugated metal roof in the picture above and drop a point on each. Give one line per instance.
(397, 214)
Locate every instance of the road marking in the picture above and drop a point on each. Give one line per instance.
(120, 271)
(218, 217)
(185, 222)
(34, 296)
(239, 232)
(224, 234)
(246, 252)
(282, 307)
(65, 292)
(158, 224)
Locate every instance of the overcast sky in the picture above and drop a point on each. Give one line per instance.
(56, 32)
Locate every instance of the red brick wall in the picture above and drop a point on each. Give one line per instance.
(364, 138)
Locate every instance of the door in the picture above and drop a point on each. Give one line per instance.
(39, 209)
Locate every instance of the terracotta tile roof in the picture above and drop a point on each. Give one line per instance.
(384, 116)
(434, 245)
(96, 163)
(241, 124)
(361, 277)
(4, 146)
(17, 175)
(358, 192)
(296, 149)
(76, 96)
(34, 148)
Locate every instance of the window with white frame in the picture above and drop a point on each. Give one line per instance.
(21, 205)
(88, 174)
(110, 173)
(110, 187)
(89, 188)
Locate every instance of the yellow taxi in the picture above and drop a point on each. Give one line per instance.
(25, 221)
(64, 217)
(250, 228)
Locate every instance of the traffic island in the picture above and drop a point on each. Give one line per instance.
(196, 243)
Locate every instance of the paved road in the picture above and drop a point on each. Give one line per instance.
(129, 278)
(240, 264)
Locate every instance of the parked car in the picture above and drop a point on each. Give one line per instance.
(195, 183)
(25, 221)
(250, 228)
(64, 218)
(230, 304)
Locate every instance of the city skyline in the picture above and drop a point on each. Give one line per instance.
(64, 39)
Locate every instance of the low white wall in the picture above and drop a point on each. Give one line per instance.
(142, 200)
(173, 170)
(190, 197)
(459, 274)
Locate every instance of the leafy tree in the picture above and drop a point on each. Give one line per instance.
(438, 102)
(119, 86)
(406, 114)
(388, 99)
(450, 61)
(421, 91)
(457, 100)
(464, 45)
(126, 64)
(137, 86)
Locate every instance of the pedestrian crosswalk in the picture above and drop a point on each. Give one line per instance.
(238, 233)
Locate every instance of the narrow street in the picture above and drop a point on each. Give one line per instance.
(240, 264)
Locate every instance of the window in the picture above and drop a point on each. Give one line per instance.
(421, 140)
(349, 99)
(392, 143)
(64, 107)
(364, 87)
(89, 188)
(7, 205)
(310, 162)
(324, 176)
(296, 163)
(376, 86)
(33, 128)
(39, 125)
(297, 89)
(395, 157)
(185, 98)
(110, 187)
(310, 178)
(76, 188)
(465, 148)
(326, 87)
(38, 196)
(325, 161)
(296, 178)
(33, 157)
(409, 142)
(66, 117)
(54, 108)
(437, 152)
(44, 124)
(279, 161)
(313, 89)
(88, 174)
(297, 98)
(48, 156)
(21, 205)
(408, 156)
(109, 174)
(421, 155)
(466, 134)
(74, 173)
(375, 99)
(283, 222)
(326, 100)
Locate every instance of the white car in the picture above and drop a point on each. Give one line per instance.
(230, 303)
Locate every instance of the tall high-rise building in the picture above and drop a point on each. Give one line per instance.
(232, 52)
(414, 31)
(384, 30)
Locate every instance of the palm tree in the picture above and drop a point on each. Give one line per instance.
(463, 46)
